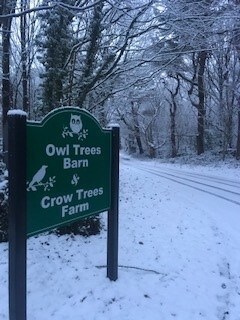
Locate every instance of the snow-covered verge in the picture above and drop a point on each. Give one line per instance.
(175, 262)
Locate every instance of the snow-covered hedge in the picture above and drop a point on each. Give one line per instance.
(3, 202)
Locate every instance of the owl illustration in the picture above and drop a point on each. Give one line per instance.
(75, 123)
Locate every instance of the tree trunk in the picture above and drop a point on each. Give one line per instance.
(131, 147)
(236, 43)
(202, 57)
(238, 136)
(138, 139)
(137, 132)
(173, 110)
(150, 143)
(200, 135)
(25, 98)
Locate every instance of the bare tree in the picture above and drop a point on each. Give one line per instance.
(110, 28)
(189, 25)
(25, 78)
(173, 91)
(236, 43)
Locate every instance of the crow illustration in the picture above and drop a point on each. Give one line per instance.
(38, 177)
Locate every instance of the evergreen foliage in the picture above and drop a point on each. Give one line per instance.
(54, 40)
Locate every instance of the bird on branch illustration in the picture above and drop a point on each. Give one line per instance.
(38, 177)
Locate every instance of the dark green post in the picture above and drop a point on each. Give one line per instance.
(17, 214)
(112, 236)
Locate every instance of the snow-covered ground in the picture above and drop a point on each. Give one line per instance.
(178, 255)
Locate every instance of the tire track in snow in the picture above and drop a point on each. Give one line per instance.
(227, 182)
(173, 178)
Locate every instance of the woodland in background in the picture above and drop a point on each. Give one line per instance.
(167, 70)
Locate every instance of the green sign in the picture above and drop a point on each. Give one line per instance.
(68, 169)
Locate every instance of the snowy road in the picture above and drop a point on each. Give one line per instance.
(204, 208)
(212, 192)
(227, 189)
